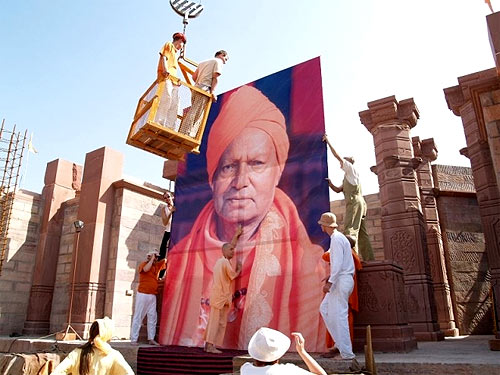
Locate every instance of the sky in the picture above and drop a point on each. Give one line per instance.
(71, 72)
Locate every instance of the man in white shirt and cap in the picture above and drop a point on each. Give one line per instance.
(335, 306)
(166, 217)
(267, 346)
(206, 77)
(355, 205)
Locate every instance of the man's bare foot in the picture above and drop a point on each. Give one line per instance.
(213, 350)
(135, 343)
(153, 342)
(210, 348)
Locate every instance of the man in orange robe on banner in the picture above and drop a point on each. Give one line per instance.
(221, 295)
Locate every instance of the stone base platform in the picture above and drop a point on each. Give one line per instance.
(455, 355)
(28, 345)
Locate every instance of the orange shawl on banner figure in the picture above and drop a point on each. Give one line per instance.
(280, 285)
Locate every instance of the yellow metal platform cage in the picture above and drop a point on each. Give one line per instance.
(171, 116)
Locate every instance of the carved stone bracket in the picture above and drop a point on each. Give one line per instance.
(469, 90)
(425, 149)
(395, 161)
(388, 111)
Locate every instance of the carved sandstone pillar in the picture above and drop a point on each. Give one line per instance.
(426, 149)
(476, 100)
(61, 183)
(102, 167)
(382, 305)
(403, 227)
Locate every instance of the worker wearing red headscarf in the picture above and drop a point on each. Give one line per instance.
(280, 283)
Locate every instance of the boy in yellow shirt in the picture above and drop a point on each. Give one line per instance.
(167, 65)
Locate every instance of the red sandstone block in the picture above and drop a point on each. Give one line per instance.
(126, 275)
(491, 113)
(372, 198)
(60, 269)
(62, 279)
(131, 213)
(35, 209)
(68, 268)
(6, 286)
(25, 267)
(8, 265)
(375, 224)
(170, 169)
(25, 253)
(12, 309)
(493, 129)
(65, 258)
(16, 298)
(495, 95)
(13, 275)
(23, 287)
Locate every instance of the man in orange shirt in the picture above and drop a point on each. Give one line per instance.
(145, 300)
(221, 295)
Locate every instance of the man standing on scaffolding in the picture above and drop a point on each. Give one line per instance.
(355, 205)
(167, 66)
(206, 77)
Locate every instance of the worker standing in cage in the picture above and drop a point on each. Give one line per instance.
(206, 78)
(167, 66)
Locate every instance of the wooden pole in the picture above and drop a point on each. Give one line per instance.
(369, 358)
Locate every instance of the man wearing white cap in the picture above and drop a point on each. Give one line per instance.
(267, 346)
(335, 306)
(145, 300)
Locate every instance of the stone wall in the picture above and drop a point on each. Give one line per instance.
(17, 272)
(62, 286)
(466, 258)
(372, 220)
(136, 229)
(465, 250)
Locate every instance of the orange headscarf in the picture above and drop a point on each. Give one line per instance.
(247, 107)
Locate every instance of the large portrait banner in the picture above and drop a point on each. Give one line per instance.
(262, 165)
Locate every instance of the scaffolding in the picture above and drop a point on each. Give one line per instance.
(12, 146)
(166, 129)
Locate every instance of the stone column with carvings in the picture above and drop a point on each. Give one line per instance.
(382, 305)
(403, 226)
(62, 179)
(102, 167)
(474, 100)
(426, 149)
